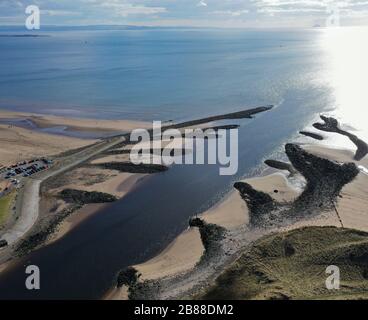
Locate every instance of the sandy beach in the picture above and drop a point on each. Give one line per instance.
(186, 252)
(92, 180)
(352, 203)
(176, 258)
(91, 176)
(179, 257)
(187, 249)
(232, 213)
(18, 144)
(76, 124)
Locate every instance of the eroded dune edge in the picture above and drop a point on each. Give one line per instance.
(307, 215)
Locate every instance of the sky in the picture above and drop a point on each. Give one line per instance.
(198, 13)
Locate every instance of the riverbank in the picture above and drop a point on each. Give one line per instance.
(236, 214)
(24, 139)
(187, 250)
(98, 171)
(111, 182)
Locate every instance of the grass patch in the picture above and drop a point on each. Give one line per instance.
(292, 265)
(5, 206)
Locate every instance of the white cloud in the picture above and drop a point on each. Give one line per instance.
(233, 13)
(252, 13)
(54, 13)
(312, 11)
(202, 4)
(304, 6)
(125, 8)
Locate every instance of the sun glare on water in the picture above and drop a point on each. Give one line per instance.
(346, 60)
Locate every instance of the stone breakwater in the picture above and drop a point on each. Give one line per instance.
(325, 179)
(332, 125)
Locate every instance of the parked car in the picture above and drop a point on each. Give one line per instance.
(3, 243)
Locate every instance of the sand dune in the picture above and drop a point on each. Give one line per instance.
(353, 203)
(186, 250)
(232, 213)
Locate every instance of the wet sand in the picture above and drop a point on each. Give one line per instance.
(76, 124)
(22, 143)
(19, 144)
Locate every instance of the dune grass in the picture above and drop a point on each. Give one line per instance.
(5, 206)
(292, 265)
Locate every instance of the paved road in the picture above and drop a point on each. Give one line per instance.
(28, 211)
(29, 197)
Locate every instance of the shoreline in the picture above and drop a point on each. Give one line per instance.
(233, 214)
(92, 159)
(24, 144)
(172, 258)
(120, 187)
(72, 221)
(78, 123)
(21, 142)
(80, 128)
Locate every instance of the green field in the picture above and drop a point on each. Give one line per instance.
(5, 206)
(293, 265)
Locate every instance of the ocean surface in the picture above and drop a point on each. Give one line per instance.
(158, 74)
(166, 75)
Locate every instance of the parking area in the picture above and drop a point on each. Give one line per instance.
(12, 175)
